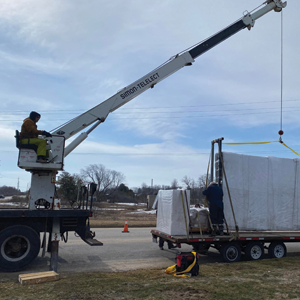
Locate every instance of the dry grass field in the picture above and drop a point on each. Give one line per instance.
(104, 214)
(115, 215)
(269, 279)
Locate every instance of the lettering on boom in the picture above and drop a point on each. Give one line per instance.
(140, 85)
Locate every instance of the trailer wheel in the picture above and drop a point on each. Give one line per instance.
(254, 251)
(19, 246)
(231, 252)
(277, 250)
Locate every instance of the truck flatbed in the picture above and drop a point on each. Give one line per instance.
(24, 212)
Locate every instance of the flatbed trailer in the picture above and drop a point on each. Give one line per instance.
(23, 233)
(231, 245)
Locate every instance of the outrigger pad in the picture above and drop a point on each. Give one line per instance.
(93, 242)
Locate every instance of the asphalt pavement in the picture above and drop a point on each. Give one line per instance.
(120, 252)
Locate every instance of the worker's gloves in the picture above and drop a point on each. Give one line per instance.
(47, 134)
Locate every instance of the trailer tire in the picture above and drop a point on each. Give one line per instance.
(254, 251)
(19, 246)
(231, 252)
(277, 250)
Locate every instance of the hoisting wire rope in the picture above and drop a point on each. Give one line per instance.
(280, 132)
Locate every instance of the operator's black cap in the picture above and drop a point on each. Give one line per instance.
(33, 115)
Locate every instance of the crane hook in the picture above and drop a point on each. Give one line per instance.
(280, 132)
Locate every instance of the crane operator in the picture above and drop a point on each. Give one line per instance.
(29, 135)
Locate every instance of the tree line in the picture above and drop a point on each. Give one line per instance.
(196, 188)
(111, 186)
(9, 191)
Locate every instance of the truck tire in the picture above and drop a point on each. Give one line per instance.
(254, 251)
(19, 246)
(277, 250)
(231, 252)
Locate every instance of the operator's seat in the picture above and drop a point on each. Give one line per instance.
(23, 146)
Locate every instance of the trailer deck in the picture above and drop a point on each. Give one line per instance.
(231, 246)
(266, 236)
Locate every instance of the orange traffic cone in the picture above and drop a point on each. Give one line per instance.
(126, 227)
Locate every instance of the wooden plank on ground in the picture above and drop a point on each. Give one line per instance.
(38, 277)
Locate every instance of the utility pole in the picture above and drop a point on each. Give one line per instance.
(18, 186)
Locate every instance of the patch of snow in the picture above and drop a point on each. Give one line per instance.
(125, 203)
(139, 211)
(10, 204)
(111, 208)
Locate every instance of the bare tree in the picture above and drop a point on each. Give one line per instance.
(203, 181)
(107, 180)
(194, 190)
(188, 181)
(174, 184)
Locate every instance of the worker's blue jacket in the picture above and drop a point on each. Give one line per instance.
(214, 193)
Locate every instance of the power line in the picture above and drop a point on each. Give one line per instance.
(172, 117)
(162, 154)
(144, 108)
(194, 111)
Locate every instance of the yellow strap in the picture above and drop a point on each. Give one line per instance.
(260, 143)
(255, 143)
(186, 225)
(290, 148)
(183, 275)
(199, 224)
(172, 269)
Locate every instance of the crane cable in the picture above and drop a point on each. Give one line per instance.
(280, 132)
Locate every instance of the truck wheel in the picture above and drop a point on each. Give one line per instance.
(19, 246)
(277, 250)
(254, 251)
(231, 252)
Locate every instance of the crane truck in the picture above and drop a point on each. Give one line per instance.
(20, 229)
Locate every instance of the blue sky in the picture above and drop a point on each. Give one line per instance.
(61, 58)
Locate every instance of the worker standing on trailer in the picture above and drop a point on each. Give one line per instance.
(214, 194)
(29, 135)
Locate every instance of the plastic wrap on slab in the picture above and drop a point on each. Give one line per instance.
(264, 192)
(170, 211)
(203, 217)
